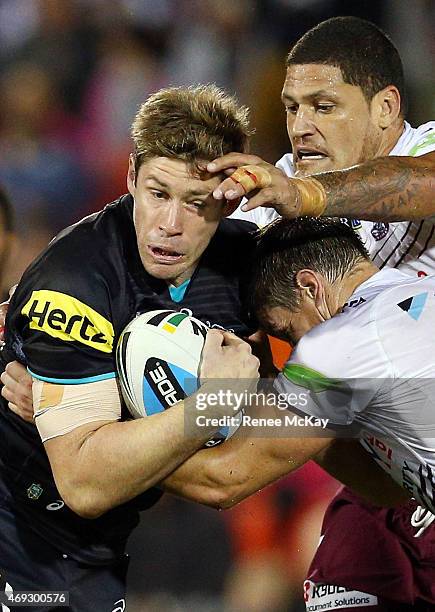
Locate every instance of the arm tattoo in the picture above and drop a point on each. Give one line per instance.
(387, 188)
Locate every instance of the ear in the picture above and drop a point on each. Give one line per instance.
(230, 206)
(131, 175)
(311, 286)
(385, 106)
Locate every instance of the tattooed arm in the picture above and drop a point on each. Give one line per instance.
(386, 188)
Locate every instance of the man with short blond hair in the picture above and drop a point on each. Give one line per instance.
(71, 487)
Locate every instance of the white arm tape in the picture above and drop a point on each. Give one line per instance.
(58, 409)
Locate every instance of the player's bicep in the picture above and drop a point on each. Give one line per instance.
(66, 415)
(59, 408)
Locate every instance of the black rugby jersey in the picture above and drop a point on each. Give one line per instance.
(64, 321)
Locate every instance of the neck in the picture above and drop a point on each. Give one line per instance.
(390, 137)
(353, 279)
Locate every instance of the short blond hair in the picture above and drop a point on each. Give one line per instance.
(190, 124)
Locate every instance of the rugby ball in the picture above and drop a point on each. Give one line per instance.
(158, 357)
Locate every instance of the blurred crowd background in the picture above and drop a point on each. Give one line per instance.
(72, 75)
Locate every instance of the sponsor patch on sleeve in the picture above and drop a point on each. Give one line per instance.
(331, 597)
(62, 316)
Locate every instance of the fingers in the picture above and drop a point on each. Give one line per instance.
(17, 390)
(232, 340)
(26, 413)
(213, 341)
(19, 373)
(244, 180)
(229, 189)
(232, 160)
(265, 197)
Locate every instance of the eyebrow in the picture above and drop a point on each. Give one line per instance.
(189, 192)
(316, 94)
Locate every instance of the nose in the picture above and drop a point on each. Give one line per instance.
(301, 123)
(171, 219)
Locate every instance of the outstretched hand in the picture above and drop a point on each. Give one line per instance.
(261, 183)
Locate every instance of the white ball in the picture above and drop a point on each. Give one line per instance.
(158, 357)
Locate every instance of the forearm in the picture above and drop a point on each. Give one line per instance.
(224, 476)
(220, 477)
(387, 189)
(116, 461)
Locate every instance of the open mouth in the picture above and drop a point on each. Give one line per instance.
(303, 155)
(164, 254)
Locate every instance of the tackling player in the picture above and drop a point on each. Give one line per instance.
(344, 96)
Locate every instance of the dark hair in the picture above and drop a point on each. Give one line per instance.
(189, 123)
(365, 55)
(6, 211)
(287, 246)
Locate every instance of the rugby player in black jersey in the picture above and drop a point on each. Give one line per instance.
(66, 510)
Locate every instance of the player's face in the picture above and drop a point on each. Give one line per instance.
(329, 122)
(175, 216)
(290, 326)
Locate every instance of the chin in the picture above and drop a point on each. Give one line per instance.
(325, 166)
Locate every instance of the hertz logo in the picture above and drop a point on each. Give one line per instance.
(63, 316)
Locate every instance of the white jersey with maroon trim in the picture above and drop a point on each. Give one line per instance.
(408, 245)
(373, 366)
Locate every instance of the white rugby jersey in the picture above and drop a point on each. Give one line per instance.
(408, 245)
(373, 366)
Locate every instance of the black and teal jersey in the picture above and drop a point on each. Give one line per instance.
(64, 322)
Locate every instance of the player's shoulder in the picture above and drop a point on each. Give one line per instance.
(83, 262)
(232, 247)
(332, 348)
(402, 301)
(234, 235)
(416, 141)
(88, 244)
(348, 344)
(106, 227)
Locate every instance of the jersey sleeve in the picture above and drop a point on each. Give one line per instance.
(60, 317)
(424, 142)
(261, 216)
(334, 372)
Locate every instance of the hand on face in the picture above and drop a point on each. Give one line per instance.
(259, 182)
